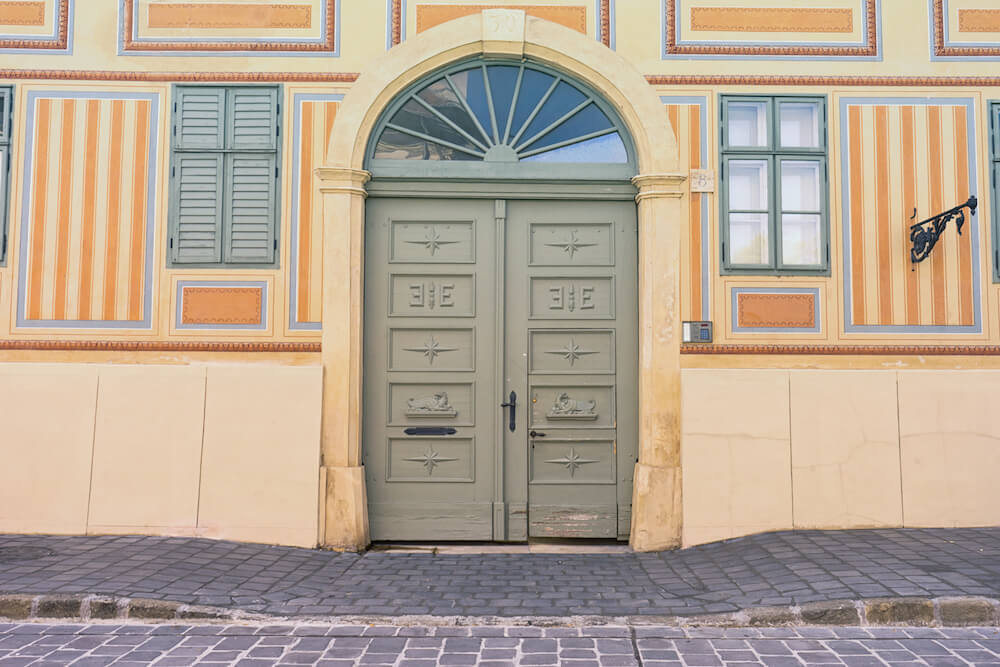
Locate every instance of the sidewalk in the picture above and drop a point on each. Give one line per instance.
(783, 570)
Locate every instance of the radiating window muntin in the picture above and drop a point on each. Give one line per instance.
(774, 185)
(502, 115)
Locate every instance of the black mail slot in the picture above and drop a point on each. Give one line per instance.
(430, 430)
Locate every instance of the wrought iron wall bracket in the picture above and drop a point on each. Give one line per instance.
(925, 234)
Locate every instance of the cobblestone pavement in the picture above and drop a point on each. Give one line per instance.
(256, 646)
(770, 569)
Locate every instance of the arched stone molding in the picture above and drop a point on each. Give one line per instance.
(656, 504)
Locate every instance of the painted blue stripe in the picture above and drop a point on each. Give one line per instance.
(154, 160)
(736, 291)
(181, 284)
(702, 102)
(297, 100)
(973, 221)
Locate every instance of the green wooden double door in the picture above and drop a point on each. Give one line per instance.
(500, 396)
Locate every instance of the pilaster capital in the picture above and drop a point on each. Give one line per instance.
(669, 185)
(343, 179)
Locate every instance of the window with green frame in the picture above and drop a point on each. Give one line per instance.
(995, 181)
(224, 176)
(774, 185)
(6, 99)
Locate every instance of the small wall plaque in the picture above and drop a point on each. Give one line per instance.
(702, 180)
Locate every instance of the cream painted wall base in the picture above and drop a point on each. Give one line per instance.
(771, 450)
(222, 450)
(656, 515)
(346, 523)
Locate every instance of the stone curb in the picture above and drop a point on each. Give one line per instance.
(877, 612)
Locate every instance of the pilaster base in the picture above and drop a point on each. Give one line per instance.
(346, 509)
(656, 508)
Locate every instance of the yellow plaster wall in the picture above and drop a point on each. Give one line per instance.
(227, 451)
(837, 449)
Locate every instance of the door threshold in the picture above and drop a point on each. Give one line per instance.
(541, 546)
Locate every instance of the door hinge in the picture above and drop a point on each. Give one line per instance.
(175, 107)
(275, 244)
(171, 242)
(275, 172)
(173, 172)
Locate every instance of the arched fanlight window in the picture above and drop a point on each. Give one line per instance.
(501, 119)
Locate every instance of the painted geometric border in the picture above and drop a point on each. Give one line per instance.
(849, 326)
(737, 329)
(181, 284)
(131, 44)
(942, 49)
(706, 272)
(297, 176)
(61, 40)
(395, 28)
(869, 49)
(25, 233)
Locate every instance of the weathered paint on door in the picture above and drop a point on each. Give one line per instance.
(467, 301)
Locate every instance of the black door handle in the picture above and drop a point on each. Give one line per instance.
(512, 404)
(536, 434)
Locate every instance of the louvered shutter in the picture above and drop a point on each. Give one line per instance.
(197, 211)
(252, 118)
(250, 214)
(200, 118)
(4, 186)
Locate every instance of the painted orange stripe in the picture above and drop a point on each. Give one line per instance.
(114, 209)
(90, 197)
(884, 286)
(135, 269)
(909, 165)
(39, 194)
(857, 218)
(694, 132)
(64, 212)
(939, 311)
(305, 211)
(965, 245)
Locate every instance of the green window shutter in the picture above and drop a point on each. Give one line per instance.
(197, 210)
(252, 117)
(4, 187)
(250, 213)
(199, 118)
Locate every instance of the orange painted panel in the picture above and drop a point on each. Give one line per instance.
(772, 19)
(786, 311)
(22, 13)
(979, 20)
(429, 16)
(221, 305)
(229, 15)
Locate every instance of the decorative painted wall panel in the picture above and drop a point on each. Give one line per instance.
(88, 203)
(688, 118)
(776, 310)
(965, 29)
(313, 124)
(816, 28)
(221, 304)
(36, 24)
(904, 160)
(571, 14)
(163, 26)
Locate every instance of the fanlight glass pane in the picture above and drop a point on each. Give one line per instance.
(799, 124)
(415, 116)
(588, 120)
(563, 99)
(441, 96)
(501, 113)
(395, 145)
(747, 124)
(607, 149)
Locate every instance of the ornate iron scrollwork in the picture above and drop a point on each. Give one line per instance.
(925, 234)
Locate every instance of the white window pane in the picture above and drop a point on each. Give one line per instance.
(801, 239)
(747, 123)
(799, 185)
(748, 185)
(799, 124)
(748, 238)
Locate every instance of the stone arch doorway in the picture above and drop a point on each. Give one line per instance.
(655, 517)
